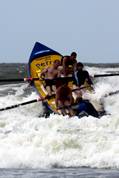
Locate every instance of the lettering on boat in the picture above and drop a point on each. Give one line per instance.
(43, 64)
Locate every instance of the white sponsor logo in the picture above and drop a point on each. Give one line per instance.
(43, 51)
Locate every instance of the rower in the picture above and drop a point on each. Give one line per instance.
(81, 76)
(84, 106)
(49, 74)
(68, 63)
(64, 99)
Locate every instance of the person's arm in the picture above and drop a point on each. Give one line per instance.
(70, 97)
(64, 61)
(88, 78)
(64, 64)
(74, 65)
(57, 97)
(42, 75)
(56, 102)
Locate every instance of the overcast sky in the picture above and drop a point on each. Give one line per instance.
(89, 27)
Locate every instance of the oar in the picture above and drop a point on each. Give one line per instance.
(25, 103)
(18, 79)
(48, 97)
(112, 93)
(105, 75)
(69, 78)
(30, 79)
(35, 100)
(17, 105)
(83, 87)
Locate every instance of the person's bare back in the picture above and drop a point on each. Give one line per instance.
(64, 99)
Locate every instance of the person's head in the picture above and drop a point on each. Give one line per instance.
(79, 66)
(56, 63)
(73, 55)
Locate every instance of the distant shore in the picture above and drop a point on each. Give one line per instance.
(20, 70)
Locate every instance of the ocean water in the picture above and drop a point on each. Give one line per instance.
(33, 146)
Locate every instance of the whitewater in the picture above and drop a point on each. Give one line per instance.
(30, 141)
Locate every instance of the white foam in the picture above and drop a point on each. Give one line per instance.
(29, 141)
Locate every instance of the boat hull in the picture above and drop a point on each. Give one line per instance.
(41, 58)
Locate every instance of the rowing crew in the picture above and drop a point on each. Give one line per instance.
(65, 97)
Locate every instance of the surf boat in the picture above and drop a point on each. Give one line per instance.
(41, 58)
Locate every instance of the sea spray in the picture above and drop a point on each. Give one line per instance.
(27, 140)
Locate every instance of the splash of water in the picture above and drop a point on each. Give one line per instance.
(27, 140)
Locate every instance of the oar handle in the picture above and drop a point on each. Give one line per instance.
(30, 79)
(58, 78)
(19, 79)
(12, 80)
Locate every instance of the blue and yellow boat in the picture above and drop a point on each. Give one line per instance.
(41, 58)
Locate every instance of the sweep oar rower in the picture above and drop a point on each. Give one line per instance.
(84, 107)
(49, 74)
(68, 63)
(65, 103)
(81, 80)
(64, 99)
(81, 76)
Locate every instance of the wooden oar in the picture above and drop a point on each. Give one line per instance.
(17, 105)
(18, 79)
(58, 78)
(83, 87)
(35, 100)
(25, 103)
(30, 79)
(48, 97)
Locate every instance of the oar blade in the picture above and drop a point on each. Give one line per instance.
(106, 75)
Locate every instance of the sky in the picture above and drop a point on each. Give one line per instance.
(89, 27)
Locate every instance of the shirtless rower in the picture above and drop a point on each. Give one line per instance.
(64, 99)
(49, 74)
(69, 63)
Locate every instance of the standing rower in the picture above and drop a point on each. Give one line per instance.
(81, 76)
(49, 75)
(68, 63)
